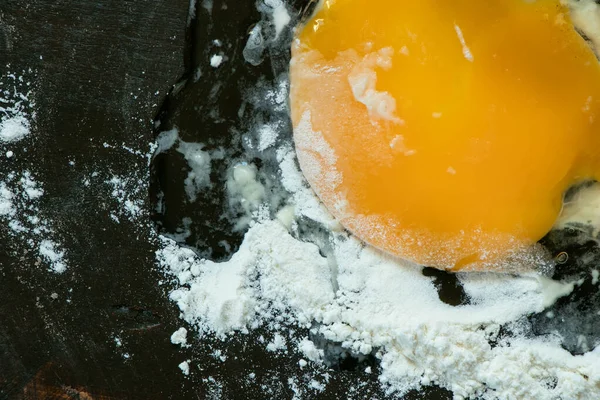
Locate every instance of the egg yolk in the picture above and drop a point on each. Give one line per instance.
(445, 131)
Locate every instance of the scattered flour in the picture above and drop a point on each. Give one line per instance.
(339, 291)
(20, 195)
(370, 304)
(267, 135)
(275, 19)
(126, 191)
(278, 343)
(310, 351)
(20, 192)
(191, 12)
(54, 257)
(199, 160)
(6, 204)
(586, 16)
(584, 206)
(397, 144)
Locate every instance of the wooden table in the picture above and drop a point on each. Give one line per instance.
(102, 70)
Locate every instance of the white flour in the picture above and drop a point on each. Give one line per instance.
(15, 106)
(179, 337)
(369, 303)
(198, 159)
(20, 192)
(216, 60)
(14, 129)
(20, 195)
(125, 191)
(283, 279)
(185, 367)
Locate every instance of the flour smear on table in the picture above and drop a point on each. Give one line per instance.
(20, 191)
(284, 278)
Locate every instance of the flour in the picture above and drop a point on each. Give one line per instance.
(586, 16)
(320, 294)
(185, 367)
(216, 60)
(14, 129)
(16, 106)
(310, 351)
(55, 257)
(267, 135)
(278, 344)
(268, 33)
(20, 195)
(6, 204)
(363, 79)
(245, 193)
(125, 191)
(280, 15)
(397, 144)
(20, 192)
(180, 337)
(583, 207)
(191, 12)
(199, 161)
(380, 307)
(466, 51)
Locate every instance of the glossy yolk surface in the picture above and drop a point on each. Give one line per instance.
(445, 131)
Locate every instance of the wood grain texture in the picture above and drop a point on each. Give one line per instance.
(100, 69)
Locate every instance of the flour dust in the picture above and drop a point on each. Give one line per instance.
(318, 295)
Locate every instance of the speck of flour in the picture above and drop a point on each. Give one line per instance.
(180, 337)
(185, 367)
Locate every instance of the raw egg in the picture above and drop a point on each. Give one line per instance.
(445, 132)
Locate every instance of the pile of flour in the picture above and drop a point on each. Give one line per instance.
(348, 296)
(352, 295)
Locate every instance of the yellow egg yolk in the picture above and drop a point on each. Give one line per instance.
(445, 132)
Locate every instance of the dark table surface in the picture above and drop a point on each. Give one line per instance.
(101, 72)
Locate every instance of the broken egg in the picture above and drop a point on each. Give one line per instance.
(445, 132)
